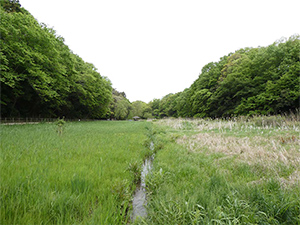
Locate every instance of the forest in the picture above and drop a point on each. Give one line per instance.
(41, 76)
(250, 81)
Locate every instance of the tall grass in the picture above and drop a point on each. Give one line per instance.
(225, 172)
(236, 171)
(79, 176)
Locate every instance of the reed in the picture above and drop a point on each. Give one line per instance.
(229, 171)
(72, 174)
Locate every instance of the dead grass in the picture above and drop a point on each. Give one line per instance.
(231, 124)
(266, 145)
(247, 149)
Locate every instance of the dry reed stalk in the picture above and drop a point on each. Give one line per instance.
(267, 151)
(235, 123)
(255, 150)
(251, 150)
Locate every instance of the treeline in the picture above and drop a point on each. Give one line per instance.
(121, 108)
(40, 76)
(250, 81)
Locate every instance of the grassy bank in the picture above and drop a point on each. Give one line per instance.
(238, 171)
(80, 173)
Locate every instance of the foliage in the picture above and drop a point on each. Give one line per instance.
(60, 123)
(120, 106)
(250, 81)
(135, 169)
(141, 109)
(41, 76)
(11, 5)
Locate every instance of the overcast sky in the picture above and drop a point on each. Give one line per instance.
(149, 49)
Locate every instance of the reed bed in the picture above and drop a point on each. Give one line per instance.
(226, 171)
(69, 173)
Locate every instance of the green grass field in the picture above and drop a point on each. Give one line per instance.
(238, 171)
(225, 172)
(82, 176)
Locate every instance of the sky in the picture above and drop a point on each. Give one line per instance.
(149, 49)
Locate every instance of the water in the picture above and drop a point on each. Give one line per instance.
(139, 200)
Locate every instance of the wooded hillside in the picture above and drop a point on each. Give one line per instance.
(260, 81)
(41, 76)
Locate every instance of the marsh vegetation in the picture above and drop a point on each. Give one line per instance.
(83, 175)
(236, 171)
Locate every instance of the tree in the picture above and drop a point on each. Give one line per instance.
(11, 5)
(199, 103)
(277, 81)
(154, 105)
(262, 80)
(120, 106)
(33, 71)
(122, 109)
(140, 109)
(183, 105)
(41, 76)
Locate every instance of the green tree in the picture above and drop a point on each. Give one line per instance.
(11, 5)
(141, 109)
(199, 100)
(41, 76)
(120, 106)
(262, 80)
(122, 109)
(276, 88)
(33, 71)
(154, 105)
(183, 105)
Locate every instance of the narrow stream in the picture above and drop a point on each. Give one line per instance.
(139, 199)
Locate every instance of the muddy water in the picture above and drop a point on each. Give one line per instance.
(139, 199)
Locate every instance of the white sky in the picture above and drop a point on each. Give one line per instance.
(149, 49)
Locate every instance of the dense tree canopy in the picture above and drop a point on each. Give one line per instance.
(41, 76)
(141, 109)
(120, 106)
(250, 81)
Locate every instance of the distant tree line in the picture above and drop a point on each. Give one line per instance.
(41, 76)
(121, 108)
(250, 81)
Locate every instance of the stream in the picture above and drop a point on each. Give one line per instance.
(139, 199)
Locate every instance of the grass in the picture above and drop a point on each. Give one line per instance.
(238, 171)
(84, 173)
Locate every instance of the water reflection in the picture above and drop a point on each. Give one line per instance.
(139, 200)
